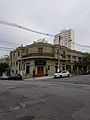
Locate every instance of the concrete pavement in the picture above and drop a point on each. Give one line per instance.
(54, 99)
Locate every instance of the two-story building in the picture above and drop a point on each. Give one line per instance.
(43, 59)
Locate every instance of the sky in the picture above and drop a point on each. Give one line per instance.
(47, 16)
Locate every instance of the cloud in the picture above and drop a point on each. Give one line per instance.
(45, 16)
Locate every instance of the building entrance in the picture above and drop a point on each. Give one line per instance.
(40, 71)
(40, 63)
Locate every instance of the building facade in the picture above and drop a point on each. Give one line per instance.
(67, 38)
(42, 59)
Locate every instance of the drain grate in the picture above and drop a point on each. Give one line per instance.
(27, 117)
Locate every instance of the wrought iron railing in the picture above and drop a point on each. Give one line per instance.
(38, 54)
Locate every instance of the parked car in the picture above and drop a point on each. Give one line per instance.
(61, 74)
(15, 77)
(4, 77)
(86, 72)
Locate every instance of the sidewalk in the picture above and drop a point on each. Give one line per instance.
(39, 78)
(43, 77)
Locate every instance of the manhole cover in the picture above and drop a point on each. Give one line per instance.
(27, 117)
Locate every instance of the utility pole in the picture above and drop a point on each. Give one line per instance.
(21, 60)
(58, 52)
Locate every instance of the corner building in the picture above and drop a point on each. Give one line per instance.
(43, 59)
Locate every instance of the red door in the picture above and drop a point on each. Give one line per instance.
(40, 71)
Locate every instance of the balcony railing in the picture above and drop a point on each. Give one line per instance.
(38, 54)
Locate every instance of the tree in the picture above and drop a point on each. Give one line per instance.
(85, 64)
(3, 67)
(86, 59)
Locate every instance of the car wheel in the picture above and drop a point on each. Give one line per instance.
(60, 76)
(68, 75)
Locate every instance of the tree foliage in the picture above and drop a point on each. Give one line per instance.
(3, 67)
(85, 62)
(86, 59)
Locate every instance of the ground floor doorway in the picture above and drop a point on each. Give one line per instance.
(40, 71)
(40, 63)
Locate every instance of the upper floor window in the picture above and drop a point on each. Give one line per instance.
(26, 51)
(74, 58)
(63, 55)
(14, 55)
(13, 63)
(40, 50)
(10, 55)
(16, 63)
(18, 53)
(69, 56)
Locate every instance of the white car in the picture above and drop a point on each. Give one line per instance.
(61, 74)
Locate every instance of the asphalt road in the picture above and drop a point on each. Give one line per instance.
(51, 99)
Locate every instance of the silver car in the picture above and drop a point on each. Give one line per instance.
(61, 74)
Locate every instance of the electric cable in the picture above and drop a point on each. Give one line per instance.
(21, 27)
(6, 48)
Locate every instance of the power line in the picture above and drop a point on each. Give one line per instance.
(12, 37)
(8, 42)
(6, 48)
(21, 27)
(80, 45)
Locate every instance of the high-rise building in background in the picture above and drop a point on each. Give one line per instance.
(67, 38)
